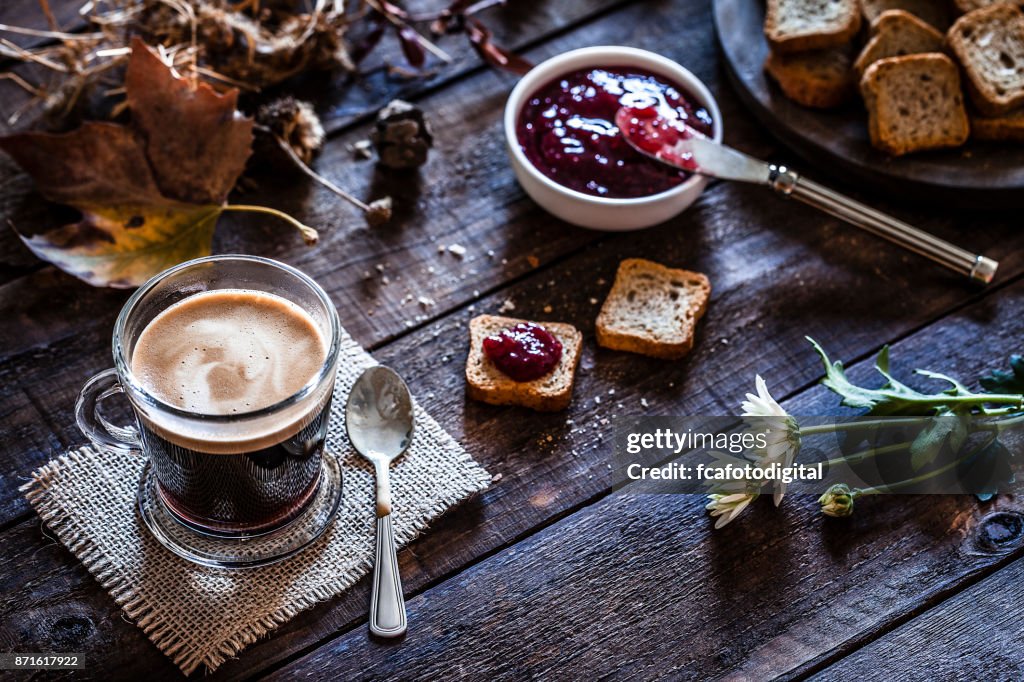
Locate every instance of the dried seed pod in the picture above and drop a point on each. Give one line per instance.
(402, 135)
(295, 122)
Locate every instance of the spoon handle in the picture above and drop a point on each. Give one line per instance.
(387, 607)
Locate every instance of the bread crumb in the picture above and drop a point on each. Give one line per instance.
(457, 250)
(533, 261)
(593, 301)
(507, 306)
(425, 301)
(643, 402)
(548, 309)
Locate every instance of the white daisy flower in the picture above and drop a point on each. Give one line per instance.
(728, 507)
(781, 432)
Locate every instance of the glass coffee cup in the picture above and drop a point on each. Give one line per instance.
(236, 475)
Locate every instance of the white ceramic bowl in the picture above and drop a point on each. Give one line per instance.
(599, 213)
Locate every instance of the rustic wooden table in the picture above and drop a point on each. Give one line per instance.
(546, 574)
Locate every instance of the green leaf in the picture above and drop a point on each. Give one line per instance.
(951, 429)
(895, 398)
(987, 470)
(1005, 381)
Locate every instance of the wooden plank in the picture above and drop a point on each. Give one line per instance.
(975, 635)
(542, 479)
(635, 587)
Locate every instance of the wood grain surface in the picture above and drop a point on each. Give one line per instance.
(545, 574)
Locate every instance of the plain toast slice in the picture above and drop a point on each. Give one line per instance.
(549, 393)
(914, 103)
(801, 25)
(897, 33)
(820, 78)
(652, 309)
(933, 12)
(989, 42)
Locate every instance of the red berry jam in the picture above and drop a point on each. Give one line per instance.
(567, 130)
(649, 130)
(525, 352)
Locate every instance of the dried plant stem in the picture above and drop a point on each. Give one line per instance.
(310, 235)
(430, 47)
(287, 148)
(11, 76)
(56, 35)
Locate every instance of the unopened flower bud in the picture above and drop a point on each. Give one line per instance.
(837, 501)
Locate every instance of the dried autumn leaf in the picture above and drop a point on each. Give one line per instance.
(149, 193)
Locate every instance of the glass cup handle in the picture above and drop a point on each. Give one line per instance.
(103, 434)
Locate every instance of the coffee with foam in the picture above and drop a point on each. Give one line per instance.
(228, 351)
(227, 354)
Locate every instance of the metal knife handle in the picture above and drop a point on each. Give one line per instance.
(977, 267)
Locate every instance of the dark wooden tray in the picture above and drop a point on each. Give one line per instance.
(979, 174)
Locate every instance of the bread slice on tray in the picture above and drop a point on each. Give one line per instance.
(897, 33)
(989, 43)
(914, 103)
(800, 25)
(965, 6)
(550, 393)
(652, 310)
(933, 12)
(1009, 128)
(820, 78)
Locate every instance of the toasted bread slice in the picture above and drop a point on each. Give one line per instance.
(652, 310)
(820, 78)
(914, 103)
(549, 393)
(1009, 128)
(989, 43)
(965, 6)
(934, 12)
(801, 25)
(897, 33)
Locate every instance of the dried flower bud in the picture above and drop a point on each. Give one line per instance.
(379, 212)
(402, 135)
(295, 122)
(837, 501)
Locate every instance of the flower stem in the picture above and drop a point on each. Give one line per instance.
(308, 233)
(863, 424)
(867, 454)
(877, 490)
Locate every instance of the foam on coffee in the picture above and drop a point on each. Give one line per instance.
(228, 351)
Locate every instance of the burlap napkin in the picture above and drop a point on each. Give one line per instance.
(202, 616)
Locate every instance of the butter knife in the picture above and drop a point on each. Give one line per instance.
(689, 150)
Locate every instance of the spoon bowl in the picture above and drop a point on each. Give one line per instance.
(378, 414)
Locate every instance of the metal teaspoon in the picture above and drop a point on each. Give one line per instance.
(379, 422)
